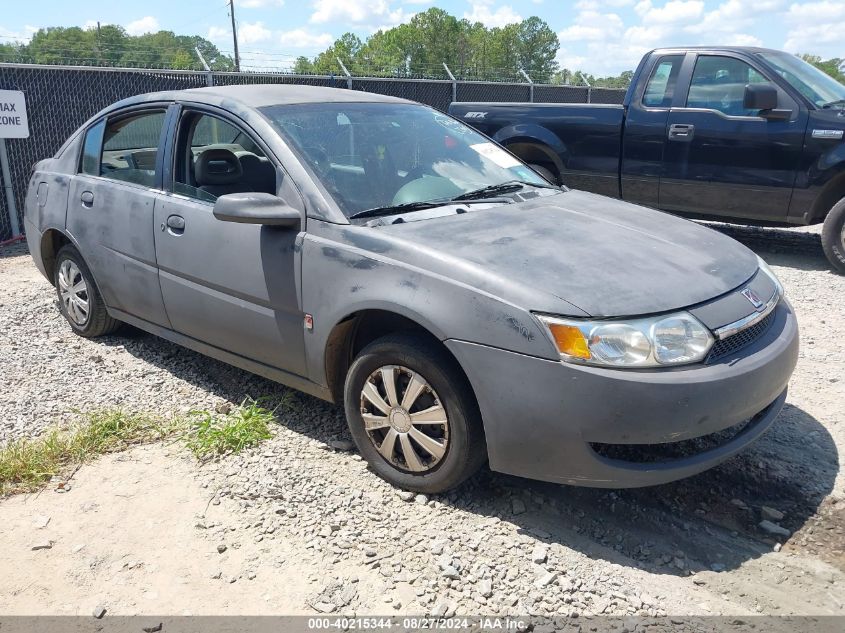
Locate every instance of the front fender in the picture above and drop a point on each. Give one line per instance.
(340, 279)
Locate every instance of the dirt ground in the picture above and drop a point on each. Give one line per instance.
(307, 529)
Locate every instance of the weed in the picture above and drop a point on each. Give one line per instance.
(244, 426)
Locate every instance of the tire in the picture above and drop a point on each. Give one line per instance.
(546, 173)
(83, 309)
(833, 236)
(404, 356)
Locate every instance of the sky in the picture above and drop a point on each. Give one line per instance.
(602, 37)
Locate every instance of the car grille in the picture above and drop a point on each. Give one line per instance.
(743, 338)
(670, 451)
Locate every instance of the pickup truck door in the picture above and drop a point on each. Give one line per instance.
(721, 159)
(645, 131)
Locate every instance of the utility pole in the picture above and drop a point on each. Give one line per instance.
(235, 36)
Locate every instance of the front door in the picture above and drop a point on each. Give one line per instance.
(110, 210)
(233, 286)
(722, 159)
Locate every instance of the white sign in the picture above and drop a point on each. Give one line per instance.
(13, 120)
(496, 154)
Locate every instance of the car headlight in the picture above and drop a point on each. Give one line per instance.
(764, 268)
(665, 340)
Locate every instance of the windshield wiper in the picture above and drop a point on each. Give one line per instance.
(509, 186)
(398, 208)
(836, 102)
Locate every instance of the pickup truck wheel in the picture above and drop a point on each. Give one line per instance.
(546, 173)
(413, 415)
(833, 236)
(79, 299)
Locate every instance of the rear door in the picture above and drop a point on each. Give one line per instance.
(645, 131)
(110, 209)
(233, 286)
(722, 159)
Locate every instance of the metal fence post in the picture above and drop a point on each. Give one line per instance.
(10, 192)
(454, 83)
(530, 85)
(345, 72)
(210, 75)
(589, 90)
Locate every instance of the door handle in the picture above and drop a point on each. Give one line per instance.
(87, 199)
(681, 132)
(175, 224)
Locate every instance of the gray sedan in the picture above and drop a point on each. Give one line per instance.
(376, 252)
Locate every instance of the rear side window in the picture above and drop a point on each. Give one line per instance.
(130, 147)
(718, 83)
(90, 163)
(661, 85)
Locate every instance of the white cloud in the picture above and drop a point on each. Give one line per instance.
(417, 1)
(300, 38)
(591, 25)
(482, 11)
(355, 11)
(146, 24)
(815, 27)
(253, 32)
(218, 33)
(670, 13)
(258, 4)
(19, 37)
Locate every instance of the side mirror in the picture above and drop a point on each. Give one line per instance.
(256, 208)
(760, 97)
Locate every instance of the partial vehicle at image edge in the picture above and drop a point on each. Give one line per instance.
(735, 134)
(379, 254)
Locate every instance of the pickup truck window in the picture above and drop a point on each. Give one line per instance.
(718, 83)
(821, 89)
(661, 84)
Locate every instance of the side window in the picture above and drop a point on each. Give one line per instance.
(130, 147)
(90, 163)
(213, 158)
(661, 85)
(718, 83)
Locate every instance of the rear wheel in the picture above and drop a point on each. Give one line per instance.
(79, 300)
(413, 415)
(546, 173)
(833, 236)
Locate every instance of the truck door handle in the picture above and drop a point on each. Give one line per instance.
(175, 224)
(87, 199)
(681, 132)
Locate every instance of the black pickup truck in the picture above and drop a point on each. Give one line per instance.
(740, 134)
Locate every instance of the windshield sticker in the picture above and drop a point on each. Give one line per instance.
(450, 124)
(496, 154)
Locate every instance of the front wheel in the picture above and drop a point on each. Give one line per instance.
(413, 415)
(833, 236)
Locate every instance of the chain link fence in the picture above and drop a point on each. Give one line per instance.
(60, 98)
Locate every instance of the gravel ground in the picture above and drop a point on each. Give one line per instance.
(499, 544)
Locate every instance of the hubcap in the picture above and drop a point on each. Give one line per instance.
(404, 418)
(73, 292)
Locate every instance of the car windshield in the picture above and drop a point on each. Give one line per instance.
(821, 89)
(375, 155)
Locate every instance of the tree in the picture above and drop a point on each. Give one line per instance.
(110, 45)
(536, 47)
(834, 67)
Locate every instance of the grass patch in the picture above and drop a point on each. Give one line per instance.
(219, 434)
(27, 464)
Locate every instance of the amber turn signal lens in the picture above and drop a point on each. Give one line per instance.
(570, 340)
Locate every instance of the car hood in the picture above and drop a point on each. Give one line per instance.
(574, 253)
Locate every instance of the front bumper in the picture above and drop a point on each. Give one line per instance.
(542, 418)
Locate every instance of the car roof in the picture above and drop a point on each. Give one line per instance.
(718, 49)
(261, 95)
